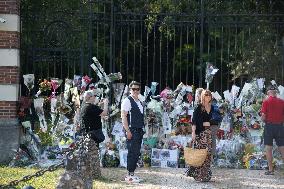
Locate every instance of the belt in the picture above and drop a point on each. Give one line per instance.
(135, 129)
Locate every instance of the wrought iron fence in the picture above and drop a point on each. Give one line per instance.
(167, 45)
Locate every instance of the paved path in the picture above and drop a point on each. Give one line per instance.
(156, 178)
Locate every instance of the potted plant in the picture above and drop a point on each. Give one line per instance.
(181, 162)
(146, 160)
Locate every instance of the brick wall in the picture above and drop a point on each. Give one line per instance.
(9, 74)
(8, 109)
(9, 6)
(9, 39)
(9, 79)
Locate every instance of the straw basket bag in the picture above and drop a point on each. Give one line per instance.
(195, 157)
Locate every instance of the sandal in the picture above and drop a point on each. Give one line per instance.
(269, 173)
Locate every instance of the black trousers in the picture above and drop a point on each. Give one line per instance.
(134, 146)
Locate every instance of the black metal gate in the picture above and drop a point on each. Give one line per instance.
(164, 41)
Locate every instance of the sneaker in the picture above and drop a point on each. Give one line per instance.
(132, 179)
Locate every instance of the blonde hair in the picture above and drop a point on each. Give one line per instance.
(204, 93)
(87, 95)
(198, 92)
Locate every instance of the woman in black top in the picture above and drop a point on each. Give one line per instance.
(201, 136)
(90, 123)
(90, 116)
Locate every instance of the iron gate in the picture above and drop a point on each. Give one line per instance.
(151, 41)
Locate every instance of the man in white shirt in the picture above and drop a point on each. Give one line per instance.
(133, 123)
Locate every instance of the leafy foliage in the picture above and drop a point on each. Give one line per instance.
(239, 36)
(263, 59)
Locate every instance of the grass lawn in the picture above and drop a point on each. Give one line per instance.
(47, 181)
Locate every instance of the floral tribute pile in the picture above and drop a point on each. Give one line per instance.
(50, 121)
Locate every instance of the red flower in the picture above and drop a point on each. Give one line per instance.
(72, 145)
(21, 114)
(220, 134)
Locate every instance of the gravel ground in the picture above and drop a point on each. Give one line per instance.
(156, 178)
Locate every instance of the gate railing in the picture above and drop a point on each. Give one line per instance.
(166, 47)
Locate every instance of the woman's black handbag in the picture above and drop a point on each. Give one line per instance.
(97, 135)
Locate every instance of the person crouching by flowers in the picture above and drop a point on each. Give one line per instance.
(201, 136)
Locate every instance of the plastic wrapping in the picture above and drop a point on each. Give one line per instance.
(38, 104)
(209, 73)
(29, 81)
(67, 87)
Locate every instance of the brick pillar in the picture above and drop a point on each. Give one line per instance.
(9, 77)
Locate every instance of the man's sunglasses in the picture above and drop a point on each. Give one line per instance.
(135, 89)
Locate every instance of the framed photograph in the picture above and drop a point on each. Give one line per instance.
(155, 163)
(164, 158)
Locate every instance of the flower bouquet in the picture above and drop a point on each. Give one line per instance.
(181, 161)
(110, 159)
(85, 81)
(53, 109)
(44, 86)
(179, 87)
(63, 106)
(67, 87)
(154, 87)
(55, 83)
(146, 93)
(183, 125)
(210, 72)
(146, 160)
(97, 67)
(75, 96)
(166, 93)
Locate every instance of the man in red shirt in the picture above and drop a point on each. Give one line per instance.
(272, 113)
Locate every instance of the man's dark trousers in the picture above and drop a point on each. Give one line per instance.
(134, 146)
